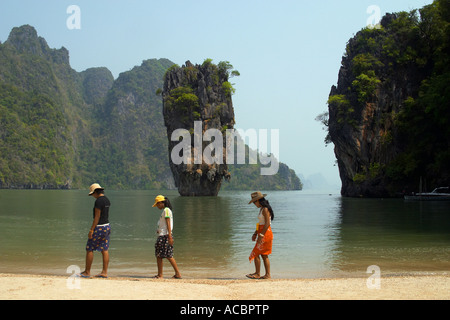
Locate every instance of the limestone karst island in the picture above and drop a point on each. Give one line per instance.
(389, 115)
(57, 122)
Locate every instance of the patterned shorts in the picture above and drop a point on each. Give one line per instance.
(162, 247)
(100, 239)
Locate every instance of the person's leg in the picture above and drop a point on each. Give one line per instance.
(257, 273)
(89, 259)
(159, 262)
(104, 272)
(266, 266)
(175, 267)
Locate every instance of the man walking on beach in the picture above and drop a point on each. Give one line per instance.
(98, 237)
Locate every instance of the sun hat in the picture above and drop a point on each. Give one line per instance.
(159, 199)
(256, 196)
(94, 187)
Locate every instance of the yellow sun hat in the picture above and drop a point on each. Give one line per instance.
(159, 199)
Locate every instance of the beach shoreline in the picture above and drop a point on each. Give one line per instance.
(49, 287)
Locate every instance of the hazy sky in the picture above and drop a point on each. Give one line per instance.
(287, 51)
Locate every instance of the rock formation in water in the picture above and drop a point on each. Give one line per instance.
(389, 115)
(60, 128)
(201, 94)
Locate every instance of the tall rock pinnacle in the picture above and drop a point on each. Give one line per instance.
(193, 95)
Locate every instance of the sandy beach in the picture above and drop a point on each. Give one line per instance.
(37, 287)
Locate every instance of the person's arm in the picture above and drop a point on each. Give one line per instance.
(266, 215)
(95, 222)
(255, 234)
(169, 230)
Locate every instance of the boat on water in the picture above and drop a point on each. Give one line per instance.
(438, 194)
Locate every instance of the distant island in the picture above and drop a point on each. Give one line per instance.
(63, 129)
(389, 115)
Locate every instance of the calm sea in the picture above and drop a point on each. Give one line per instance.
(316, 235)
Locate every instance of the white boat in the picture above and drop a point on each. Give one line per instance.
(438, 194)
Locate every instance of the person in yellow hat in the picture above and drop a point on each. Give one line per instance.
(263, 236)
(99, 234)
(164, 242)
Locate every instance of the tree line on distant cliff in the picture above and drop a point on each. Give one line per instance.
(389, 116)
(60, 128)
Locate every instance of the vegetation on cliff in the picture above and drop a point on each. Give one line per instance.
(198, 94)
(60, 128)
(248, 177)
(389, 114)
(36, 139)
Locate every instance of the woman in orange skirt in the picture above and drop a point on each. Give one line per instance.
(263, 236)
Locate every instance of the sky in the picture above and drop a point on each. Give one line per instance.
(288, 52)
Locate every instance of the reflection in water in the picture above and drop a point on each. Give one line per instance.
(203, 232)
(396, 235)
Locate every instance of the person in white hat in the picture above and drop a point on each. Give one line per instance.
(99, 234)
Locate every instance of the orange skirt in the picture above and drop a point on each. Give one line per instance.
(265, 247)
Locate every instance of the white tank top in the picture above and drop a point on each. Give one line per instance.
(262, 220)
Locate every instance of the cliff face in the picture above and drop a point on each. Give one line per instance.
(134, 134)
(389, 114)
(60, 128)
(201, 94)
(36, 143)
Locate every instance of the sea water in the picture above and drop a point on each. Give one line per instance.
(315, 234)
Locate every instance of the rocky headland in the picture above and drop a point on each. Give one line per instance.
(389, 114)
